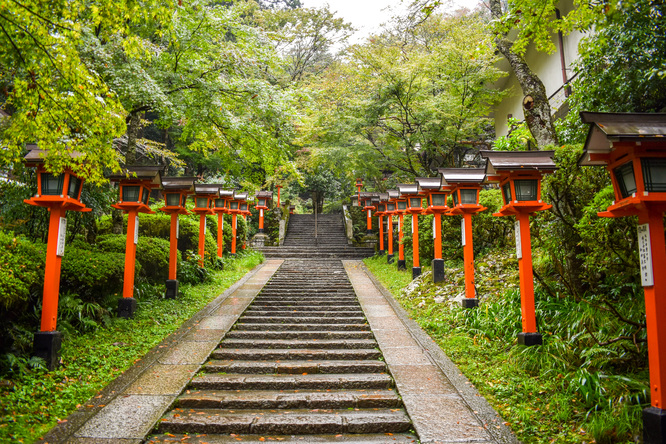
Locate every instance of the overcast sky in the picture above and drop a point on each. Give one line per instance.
(368, 15)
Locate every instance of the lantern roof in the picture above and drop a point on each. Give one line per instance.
(607, 128)
(226, 193)
(183, 183)
(383, 197)
(408, 189)
(393, 194)
(509, 161)
(36, 155)
(264, 195)
(150, 173)
(207, 189)
(463, 175)
(240, 195)
(429, 183)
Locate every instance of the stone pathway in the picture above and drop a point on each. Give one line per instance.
(302, 364)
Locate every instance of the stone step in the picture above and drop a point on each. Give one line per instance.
(310, 299)
(294, 354)
(302, 320)
(300, 313)
(301, 327)
(293, 367)
(291, 344)
(370, 438)
(332, 381)
(296, 421)
(286, 334)
(288, 399)
(292, 303)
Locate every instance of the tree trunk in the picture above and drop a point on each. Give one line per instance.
(133, 126)
(535, 102)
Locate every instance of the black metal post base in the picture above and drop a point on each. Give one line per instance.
(171, 289)
(389, 258)
(261, 230)
(654, 425)
(401, 264)
(368, 232)
(382, 252)
(437, 270)
(46, 345)
(529, 339)
(470, 303)
(416, 272)
(126, 308)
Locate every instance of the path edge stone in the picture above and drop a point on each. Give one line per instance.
(64, 432)
(478, 404)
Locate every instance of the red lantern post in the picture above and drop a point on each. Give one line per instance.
(176, 190)
(263, 199)
(391, 210)
(382, 200)
(466, 185)
(135, 183)
(58, 193)
(204, 200)
(519, 176)
(414, 207)
(436, 196)
(278, 194)
(366, 202)
(221, 207)
(632, 148)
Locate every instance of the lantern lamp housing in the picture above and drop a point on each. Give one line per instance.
(172, 199)
(402, 205)
(52, 184)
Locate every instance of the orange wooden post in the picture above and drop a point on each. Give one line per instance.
(438, 236)
(202, 239)
(468, 254)
(220, 234)
(278, 194)
(526, 273)
(58, 193)
(389, 233)
(136, 183)
(381, 234)
(369, 222)
(52, 271)
(416, 263)
(632, 148)
(261, 220)
(176, 190)
(437, 191)
(130, 252)
(401, 244)
(173, 247)
(233, 233)
(519, 176)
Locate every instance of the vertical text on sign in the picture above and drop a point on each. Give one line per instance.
(136, 229)
(462, 230)
(645, 255)
(62, 236)
(519, 245)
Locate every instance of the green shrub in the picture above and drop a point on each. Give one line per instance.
(152, 255)
(93, 274)
(21, 269)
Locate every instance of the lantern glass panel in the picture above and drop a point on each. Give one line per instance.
(146, 195)
(506, 193)
(625, 179)
(526, 189)
(261, 203)
(438, 200)
(402, 205)
(172, 199)
(455, 198)
(131, 193)
(415, 202)
(74, 186)
(219, 203)
(654, 175)
(381, 208)
(468, 196)
(243, 207)
(390, 207)
(52, 184)
(234, 205)
(201, 202)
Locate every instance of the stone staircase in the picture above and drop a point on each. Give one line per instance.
(300, 365)
(330, 241)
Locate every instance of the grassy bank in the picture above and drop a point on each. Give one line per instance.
(34, 401)
(569, 390)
